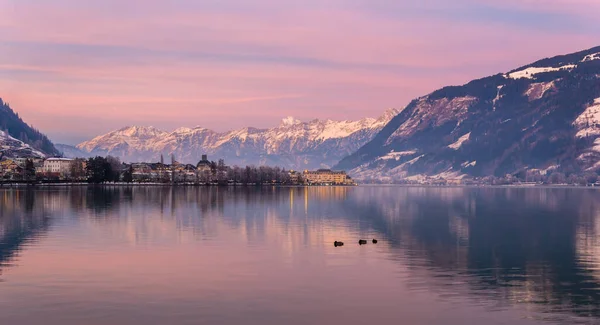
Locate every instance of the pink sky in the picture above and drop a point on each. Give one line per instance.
(76, 69)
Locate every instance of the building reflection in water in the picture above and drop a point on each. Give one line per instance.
(536, 247)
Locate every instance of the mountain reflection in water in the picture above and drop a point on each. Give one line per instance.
(118, 254)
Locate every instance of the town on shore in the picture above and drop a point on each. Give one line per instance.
(110, 170)
(99, 170)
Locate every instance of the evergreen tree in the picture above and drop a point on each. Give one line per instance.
(128, 174)
(29, 170)
(98, 170)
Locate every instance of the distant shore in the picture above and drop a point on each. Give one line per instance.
(63, 184)
(123, 184)
(485, 185)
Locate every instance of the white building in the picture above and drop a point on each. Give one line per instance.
(60, 166)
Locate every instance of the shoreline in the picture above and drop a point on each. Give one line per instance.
(75, 184)
(121, 184)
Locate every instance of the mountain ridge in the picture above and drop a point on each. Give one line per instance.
(19, 138)
(292, 144)
(531, 118)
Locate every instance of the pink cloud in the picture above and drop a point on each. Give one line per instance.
(208, 65)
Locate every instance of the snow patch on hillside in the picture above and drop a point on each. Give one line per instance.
(456, 145)
(596, 146)
(396, 155)
(399, 174)
(468, 164)
(433, 113)
(537, 90)
(15, 147)
(498, 96)
(591, 57)
(531, 72)
(588, 123)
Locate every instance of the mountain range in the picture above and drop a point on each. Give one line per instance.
(292, 144)
(543, 117)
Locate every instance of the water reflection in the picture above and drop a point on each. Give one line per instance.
(493, 247)
(536, 246)
(20, 224)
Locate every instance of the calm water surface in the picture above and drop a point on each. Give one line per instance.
(152, 255)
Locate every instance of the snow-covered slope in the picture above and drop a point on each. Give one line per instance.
(292, 144)
(546, 114)
(11, 147)
(12, 125)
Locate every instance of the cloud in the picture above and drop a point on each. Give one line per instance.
(209, 60)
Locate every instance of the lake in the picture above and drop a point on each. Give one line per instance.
(200, 255)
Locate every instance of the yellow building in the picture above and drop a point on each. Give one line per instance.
(326, 176)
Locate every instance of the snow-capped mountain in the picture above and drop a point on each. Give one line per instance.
(543, 116)
(292, 144)
(14, 148)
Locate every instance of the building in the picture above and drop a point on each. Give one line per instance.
(204, 165)
(10, 169)
(57, 166)
(295, 177)
(326, 176)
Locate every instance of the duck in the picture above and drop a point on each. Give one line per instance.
(374, 241)
(362, 242)
(338, 243)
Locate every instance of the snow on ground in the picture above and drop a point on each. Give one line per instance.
(588, 122)
(460, 141)
(412, 161)
(383, 174)
(498, 96)
(591, 57)
(469, 163)
(449, 174)
(596, 146)
(416, 178)
(9, 143)
(538, 89)
(436, 112)
(401, 167)
(594, 166)
(531, 72)
(550, 169)
(396, 155)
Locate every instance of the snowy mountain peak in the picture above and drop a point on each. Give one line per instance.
(289, 121)
(389, 114)
(139, 131)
